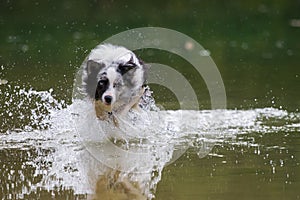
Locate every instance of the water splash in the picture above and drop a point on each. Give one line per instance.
(26, 109)
(61, 156)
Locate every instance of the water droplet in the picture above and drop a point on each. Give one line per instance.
(3, 81)
(279, 44)
(244, 46)
(77, 35)
(295, 23)
(289, 52)
(273, 170)
(204, 52)
(24, 48)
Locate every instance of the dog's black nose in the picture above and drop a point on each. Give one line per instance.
(108, 99)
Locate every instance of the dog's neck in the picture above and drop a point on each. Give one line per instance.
(103, 113)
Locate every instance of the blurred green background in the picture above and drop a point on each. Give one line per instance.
(255, 44)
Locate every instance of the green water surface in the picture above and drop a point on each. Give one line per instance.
(254, 43)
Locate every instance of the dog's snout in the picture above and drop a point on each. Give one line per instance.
(108, 99)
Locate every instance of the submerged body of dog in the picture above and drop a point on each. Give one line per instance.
(114, 77)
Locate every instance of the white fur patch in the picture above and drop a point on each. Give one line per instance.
(108, 54)
(112, 76)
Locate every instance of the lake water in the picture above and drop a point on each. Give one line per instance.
(52, 147)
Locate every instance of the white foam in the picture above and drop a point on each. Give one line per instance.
(82, 147)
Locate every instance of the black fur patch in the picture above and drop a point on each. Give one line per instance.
(102, 86)
(123, 69)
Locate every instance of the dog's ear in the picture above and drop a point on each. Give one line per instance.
(124, 68)
(93, 67)
(92, 70)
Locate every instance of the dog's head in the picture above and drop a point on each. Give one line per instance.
(113, 75)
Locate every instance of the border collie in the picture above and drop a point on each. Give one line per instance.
(115, 78)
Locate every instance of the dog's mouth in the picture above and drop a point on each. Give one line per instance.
(104, 106)
(107, 104)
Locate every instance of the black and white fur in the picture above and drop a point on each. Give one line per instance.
(114, 77)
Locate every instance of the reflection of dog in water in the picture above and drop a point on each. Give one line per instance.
(111, 186)
(114, 77)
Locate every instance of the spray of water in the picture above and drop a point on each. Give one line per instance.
(37, 120)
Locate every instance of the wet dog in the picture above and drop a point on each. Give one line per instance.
(114, 77)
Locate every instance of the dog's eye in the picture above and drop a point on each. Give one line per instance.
(102, 82)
